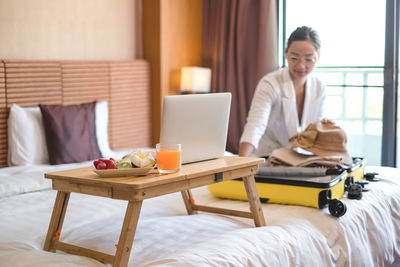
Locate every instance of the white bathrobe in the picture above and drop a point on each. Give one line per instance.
(273, 117)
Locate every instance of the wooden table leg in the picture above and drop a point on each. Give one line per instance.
(57, 219)
(189, 201)
(254, 200)
(127, 233)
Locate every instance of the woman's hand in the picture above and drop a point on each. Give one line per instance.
(245, 149)
(325, 120)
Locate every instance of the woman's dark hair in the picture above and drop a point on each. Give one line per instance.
(305, 33)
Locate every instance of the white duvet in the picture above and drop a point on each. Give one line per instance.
(367, 235)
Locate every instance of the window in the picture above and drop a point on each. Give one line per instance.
(351, 64)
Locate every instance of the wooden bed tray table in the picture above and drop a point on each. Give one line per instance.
(136, 189)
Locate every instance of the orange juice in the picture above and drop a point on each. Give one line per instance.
(168, 160)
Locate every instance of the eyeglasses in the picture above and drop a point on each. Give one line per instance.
(307, 60)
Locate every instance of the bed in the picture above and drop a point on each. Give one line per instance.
(367, 235)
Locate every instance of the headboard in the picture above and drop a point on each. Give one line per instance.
(124, 84)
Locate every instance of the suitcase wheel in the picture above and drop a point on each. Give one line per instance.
(371, 176)
(336, 207)
(354, 191)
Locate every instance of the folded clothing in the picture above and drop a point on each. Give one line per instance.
(323, 138)
(289, 171)
(289, 157)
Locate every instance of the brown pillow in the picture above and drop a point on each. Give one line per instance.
(70, 132)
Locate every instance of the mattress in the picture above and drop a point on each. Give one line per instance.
(367, 235)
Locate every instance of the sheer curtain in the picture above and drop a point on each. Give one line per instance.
(240, 45)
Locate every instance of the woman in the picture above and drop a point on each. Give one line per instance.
(287, 100)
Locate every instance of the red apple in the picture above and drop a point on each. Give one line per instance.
(106, 161)
(111, 165)
(101, 165)
(95, 163)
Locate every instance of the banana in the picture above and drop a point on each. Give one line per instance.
(142, 159)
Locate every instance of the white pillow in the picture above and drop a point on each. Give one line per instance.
(101, 118)
(27, 139)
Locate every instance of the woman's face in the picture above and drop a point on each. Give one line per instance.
(301, 57)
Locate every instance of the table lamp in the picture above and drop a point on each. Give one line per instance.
(195, 80)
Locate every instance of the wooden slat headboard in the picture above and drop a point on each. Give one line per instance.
(83, 80)
(124, 84)
(3, 118)
(131, 84)
(29, 83)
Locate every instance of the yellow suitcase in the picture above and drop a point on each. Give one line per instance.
(356, 171)
(313, 187)
(295, 190)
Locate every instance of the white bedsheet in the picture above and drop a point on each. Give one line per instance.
(367, 235)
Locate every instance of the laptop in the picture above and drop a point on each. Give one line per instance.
(198, 122)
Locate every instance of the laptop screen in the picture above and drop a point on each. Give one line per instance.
(198, 122)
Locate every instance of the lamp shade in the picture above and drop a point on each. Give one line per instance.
(196, 79)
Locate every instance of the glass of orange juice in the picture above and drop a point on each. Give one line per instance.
(168, 157)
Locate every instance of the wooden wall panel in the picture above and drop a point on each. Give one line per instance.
(3, 118)
(130, 105)
(85, 81)
(172, 39)
(152, 53)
